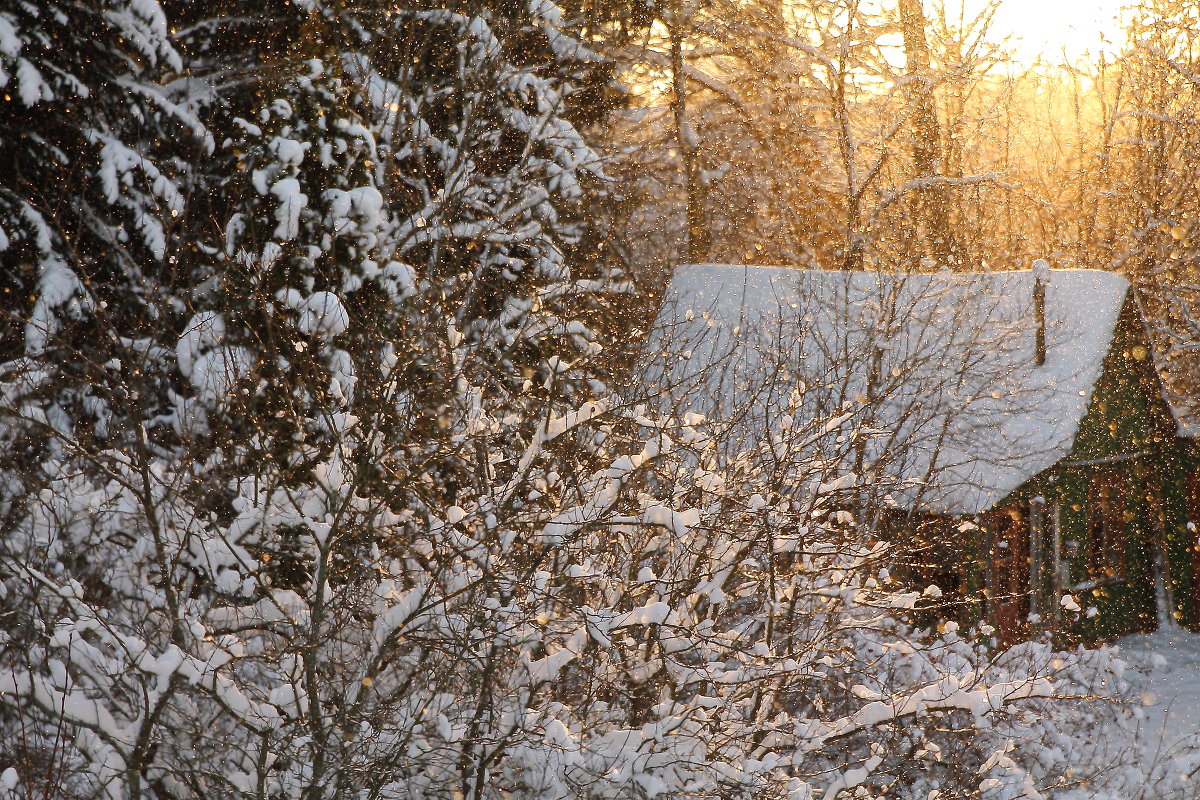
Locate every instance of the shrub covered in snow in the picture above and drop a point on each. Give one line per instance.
(649, 627)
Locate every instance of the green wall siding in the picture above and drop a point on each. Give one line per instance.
(1129, 429)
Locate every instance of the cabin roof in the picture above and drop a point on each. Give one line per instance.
(939, 368)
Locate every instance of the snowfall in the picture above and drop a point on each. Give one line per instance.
(1167, 668)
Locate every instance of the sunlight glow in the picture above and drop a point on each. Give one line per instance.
(1051, 29)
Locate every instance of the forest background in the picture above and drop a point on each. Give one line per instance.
(320, 475)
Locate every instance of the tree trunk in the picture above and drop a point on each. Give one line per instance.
(685, 137)
(932, 207)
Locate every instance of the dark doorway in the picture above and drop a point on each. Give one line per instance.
(1010, 577)
(1193, 526)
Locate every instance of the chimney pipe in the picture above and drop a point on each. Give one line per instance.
(1041, 274)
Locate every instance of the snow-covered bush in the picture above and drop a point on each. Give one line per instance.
(652, 628)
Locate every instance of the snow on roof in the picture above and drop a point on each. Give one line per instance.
(938, 370)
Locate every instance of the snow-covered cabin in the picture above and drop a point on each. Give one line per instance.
(1021, 406)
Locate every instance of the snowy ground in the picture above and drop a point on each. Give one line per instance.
(1168, 670)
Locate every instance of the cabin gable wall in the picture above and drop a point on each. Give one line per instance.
(1114, 505)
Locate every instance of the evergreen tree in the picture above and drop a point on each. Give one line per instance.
(372, 348)
(98, 144)
(93, 185)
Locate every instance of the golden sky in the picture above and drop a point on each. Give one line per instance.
(1047, 28)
